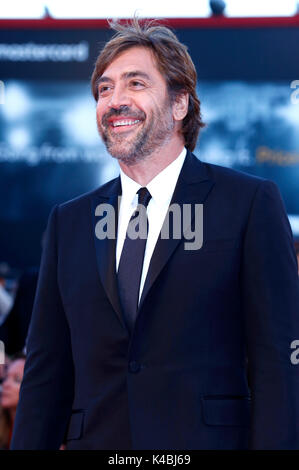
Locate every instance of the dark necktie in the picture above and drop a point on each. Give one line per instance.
(131, 260)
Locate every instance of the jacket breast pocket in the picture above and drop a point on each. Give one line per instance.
(75, 428)
(226, 410)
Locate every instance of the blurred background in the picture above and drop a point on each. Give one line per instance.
(247, 58)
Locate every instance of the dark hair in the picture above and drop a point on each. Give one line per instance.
(173, 61)
(18, 355)
(6, 422)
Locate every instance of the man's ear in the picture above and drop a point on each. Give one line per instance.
(180, 106)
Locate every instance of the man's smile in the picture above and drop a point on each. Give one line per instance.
(122, 124)
(125, 122)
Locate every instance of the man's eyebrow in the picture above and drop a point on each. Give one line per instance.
(125, 75)
(136, 73)
(103, 79)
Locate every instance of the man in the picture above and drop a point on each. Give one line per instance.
(196, 353)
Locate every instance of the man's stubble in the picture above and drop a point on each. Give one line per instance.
(156, 131)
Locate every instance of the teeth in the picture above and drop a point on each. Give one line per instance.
(124, 123)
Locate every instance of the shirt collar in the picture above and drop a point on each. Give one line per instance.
(129, 188)
(161, 186)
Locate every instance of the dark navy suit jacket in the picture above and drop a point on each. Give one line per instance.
(208, 363)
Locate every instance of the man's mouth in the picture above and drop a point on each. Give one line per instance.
(124, 122)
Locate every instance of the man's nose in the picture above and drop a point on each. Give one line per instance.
(119, 97)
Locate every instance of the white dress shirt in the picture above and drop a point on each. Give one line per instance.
(161, 188)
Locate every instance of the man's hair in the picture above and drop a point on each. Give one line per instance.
(173, 62)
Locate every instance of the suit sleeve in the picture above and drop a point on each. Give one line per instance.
(271, 305)
(46, 394)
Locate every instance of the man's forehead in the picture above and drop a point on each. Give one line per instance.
(136, 58)
(125, 76)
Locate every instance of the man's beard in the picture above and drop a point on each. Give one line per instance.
(152, 136)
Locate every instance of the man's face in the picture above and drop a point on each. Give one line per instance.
(134, 113)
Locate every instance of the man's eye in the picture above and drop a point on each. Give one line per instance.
(136, 84)
(104, 89)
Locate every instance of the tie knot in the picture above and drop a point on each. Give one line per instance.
(144, 196)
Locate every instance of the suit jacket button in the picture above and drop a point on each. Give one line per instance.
(134, 367)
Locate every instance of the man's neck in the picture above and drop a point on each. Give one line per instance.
(143, 172)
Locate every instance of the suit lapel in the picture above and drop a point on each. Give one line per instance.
(106, 247)
(193, 185)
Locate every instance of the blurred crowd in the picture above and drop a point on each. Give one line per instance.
(16, 303)
(11, 375)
